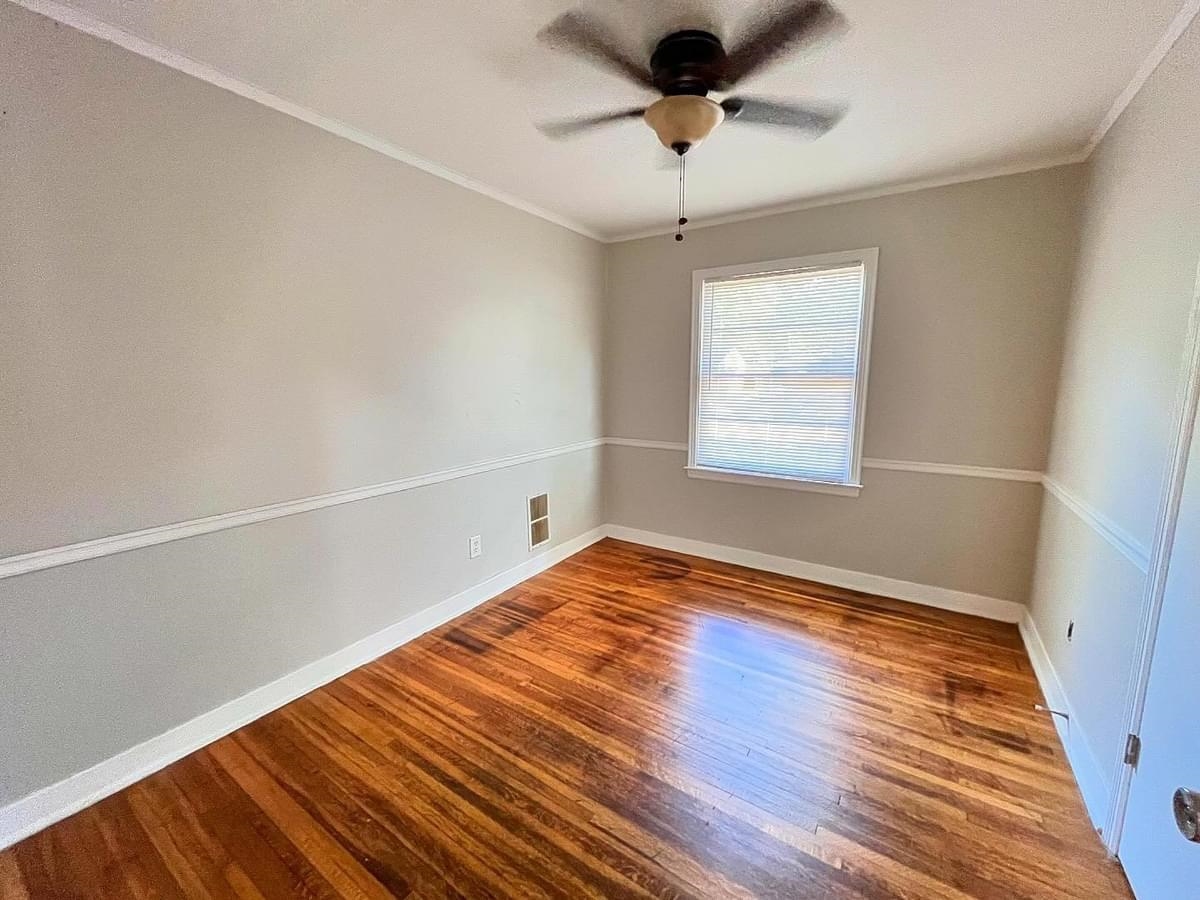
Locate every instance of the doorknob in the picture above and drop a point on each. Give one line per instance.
(1187, 813)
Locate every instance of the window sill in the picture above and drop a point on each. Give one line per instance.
(776, 481)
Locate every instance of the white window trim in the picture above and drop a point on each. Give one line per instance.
(869, 258)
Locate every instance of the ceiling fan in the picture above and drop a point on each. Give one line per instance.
(686, 66)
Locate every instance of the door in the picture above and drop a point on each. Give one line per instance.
(1161, 863)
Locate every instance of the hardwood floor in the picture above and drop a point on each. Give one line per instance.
(630, 723)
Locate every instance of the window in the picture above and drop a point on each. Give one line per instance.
(779, 371)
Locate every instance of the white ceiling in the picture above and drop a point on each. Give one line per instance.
(937, 90)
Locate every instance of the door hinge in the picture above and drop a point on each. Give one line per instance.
(1133, 750)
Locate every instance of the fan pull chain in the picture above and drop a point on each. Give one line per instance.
(682, 196)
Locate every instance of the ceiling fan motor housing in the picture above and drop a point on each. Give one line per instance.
(686, 65)
(688, 62)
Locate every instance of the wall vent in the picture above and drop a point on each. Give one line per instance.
(539, 520)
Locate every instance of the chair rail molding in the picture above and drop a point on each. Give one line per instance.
(894, 465)
(50, 804)
(1187, 414)
(36, 560)
(1124, 542)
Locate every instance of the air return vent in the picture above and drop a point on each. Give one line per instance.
(539, 520)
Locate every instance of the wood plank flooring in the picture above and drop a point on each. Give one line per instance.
(630, 723)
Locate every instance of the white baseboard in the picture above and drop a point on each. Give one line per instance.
(57, 801)
(1089, 775)
(43, 808)
(925, 594)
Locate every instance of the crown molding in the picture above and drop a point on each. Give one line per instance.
(1152, 61)
(907, 187)
(1174, 31)
(81, 21)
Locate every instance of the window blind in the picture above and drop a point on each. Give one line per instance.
(778, 366)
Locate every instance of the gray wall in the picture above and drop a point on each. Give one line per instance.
(1121, 369)
(102, 655)
(969, 311)
(966, 534)
(209, 306)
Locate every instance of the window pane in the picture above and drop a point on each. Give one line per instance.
(778, 365)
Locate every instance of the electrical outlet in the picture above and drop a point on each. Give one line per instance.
(475, 546)
(1070, 630)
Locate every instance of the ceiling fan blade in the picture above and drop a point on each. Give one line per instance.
(815, 120)
(573, 31)
(564, 128)
(778, 32)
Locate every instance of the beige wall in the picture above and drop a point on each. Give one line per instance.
(972, 290)
(209, 306)
(1133, 290)
(102, 655)
(965, 534)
